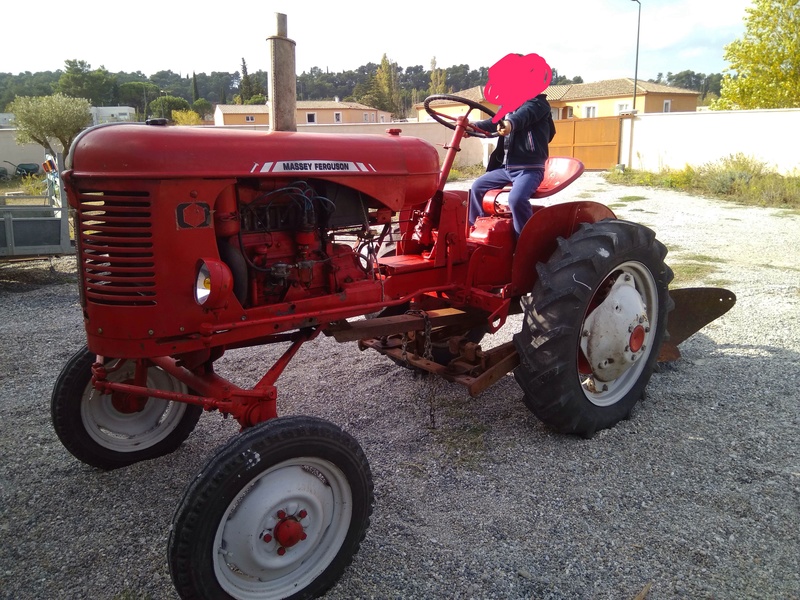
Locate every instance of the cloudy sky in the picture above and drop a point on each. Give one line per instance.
(595, 39)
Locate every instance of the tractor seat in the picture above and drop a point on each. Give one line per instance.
(559, 172)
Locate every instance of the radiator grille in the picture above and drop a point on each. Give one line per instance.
(116, 248)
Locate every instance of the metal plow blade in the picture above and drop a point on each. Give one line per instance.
(694, 309)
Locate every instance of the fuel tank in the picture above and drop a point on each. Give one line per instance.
(399, 172)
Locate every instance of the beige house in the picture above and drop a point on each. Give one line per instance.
(615, 96)
(308, 112)
(586, 100)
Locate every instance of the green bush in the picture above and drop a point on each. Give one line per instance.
(34, 185)
(737, 177)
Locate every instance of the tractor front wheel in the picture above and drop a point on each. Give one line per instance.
(115, 430)
(593, 326)
(278, 513)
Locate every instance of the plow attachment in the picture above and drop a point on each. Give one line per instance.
(694, 309)
(477, 369)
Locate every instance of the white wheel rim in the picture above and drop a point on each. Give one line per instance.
(246, 558)
(608, 393)
(132, 431)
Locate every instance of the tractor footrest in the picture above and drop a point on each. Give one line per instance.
(346, 331)
(406, 263)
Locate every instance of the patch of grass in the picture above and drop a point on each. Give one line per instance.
(689, 272)
(690, 268)
(464, 444)
(584, 195)
(703, 258)
(631, 198)
(738, 178)
(779, 268)
(466, 172)
(459, 433)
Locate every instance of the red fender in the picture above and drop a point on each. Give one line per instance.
(538, 239)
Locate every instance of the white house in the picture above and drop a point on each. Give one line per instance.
(112, 114)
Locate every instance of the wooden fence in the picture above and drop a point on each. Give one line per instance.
(595, 142)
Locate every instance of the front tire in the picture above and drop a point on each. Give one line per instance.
(110, 430)
(593, 326)
(277, 513)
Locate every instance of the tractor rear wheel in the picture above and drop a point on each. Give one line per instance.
(115, 430)
(593, 326)
(278, 513)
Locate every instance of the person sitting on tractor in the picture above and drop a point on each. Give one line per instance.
(519, 159)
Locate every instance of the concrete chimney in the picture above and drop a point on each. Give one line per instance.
(282, 79)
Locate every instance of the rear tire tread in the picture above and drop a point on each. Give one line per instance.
(548, 341)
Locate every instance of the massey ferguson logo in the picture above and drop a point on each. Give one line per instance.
(313, 166)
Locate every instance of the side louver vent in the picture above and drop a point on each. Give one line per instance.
(115, 246)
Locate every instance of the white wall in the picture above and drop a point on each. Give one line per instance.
(10, 151)
(674, 140)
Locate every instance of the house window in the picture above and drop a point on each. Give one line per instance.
(622, 107)
(366, 117)
(667, 105)
(249, 119)
(311, 117)
(570, 113)
(554, 113)
(337, 117)
(590, 111)
(383, 118)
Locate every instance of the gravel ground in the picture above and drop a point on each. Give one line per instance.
(697, 496)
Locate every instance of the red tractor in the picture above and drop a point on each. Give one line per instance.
(192, 242)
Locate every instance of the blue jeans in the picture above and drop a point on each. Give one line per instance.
(523, 183)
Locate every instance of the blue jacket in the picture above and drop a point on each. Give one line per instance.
(532, 129)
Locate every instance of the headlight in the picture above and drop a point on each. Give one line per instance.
(202, 289)
(212, 284)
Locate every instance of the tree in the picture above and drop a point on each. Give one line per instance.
(26, 84)
(257, 99)
(564, 80)
(388, 87)
(202, 107)
(80, 81)
(247, 87)
(164, 105)
(46, 119)
(764, 69)
(138, 94)
(438, 79)
(195, 92)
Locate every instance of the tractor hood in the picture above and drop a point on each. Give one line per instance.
(398, 171)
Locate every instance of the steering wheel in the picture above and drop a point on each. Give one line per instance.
(450, 121)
